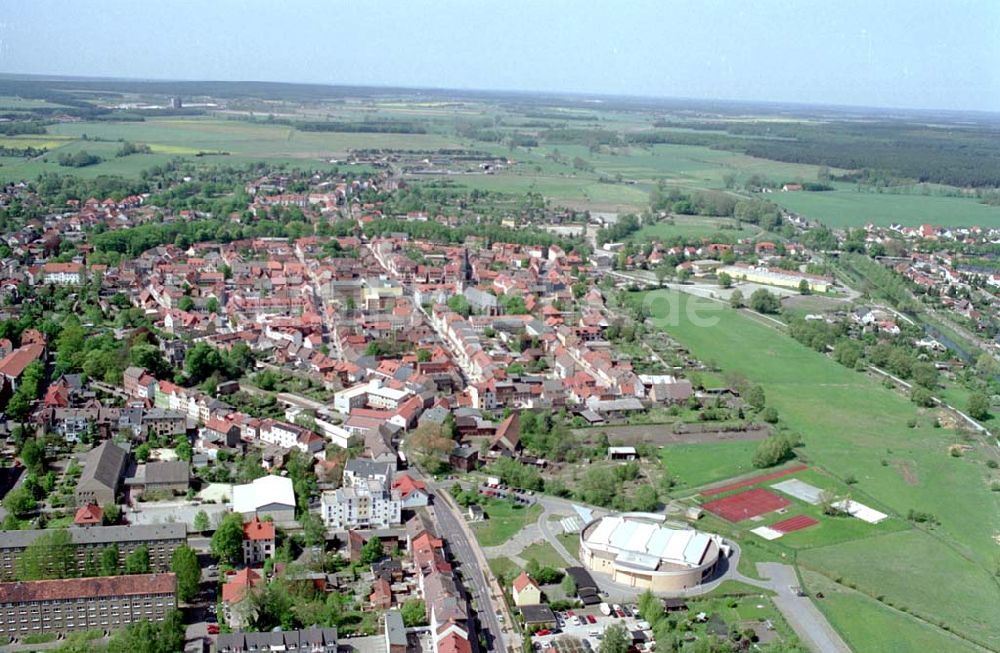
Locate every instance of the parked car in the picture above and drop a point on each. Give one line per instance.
(591, 619)
(213, 629)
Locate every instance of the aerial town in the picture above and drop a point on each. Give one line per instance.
(376, 362)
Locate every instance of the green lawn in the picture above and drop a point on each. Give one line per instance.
(504, 567)
(867, 625)
(691, 227)
(694, 465)
(503, 521)
(545, 554)
(915, 571)
(849, 208)
(851, 425)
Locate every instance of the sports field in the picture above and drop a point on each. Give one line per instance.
(851, 425)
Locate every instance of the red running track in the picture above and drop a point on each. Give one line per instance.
(796, 523)
(754, 481)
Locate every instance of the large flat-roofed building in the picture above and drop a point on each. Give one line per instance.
(160, 539)
(268, 496)
(101, 603)
(643, 550)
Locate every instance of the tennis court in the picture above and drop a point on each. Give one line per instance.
(745, 505)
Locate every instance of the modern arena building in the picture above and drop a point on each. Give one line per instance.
(642, 550)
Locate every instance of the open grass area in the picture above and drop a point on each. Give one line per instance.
(503, 567)
(545, 554)
(849, 208)
(694, 465)
(694, 228)
(914, 571)
(870, 626)
(852, 425)
(503, 520)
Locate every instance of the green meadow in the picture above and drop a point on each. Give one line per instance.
(850, 208)
(853, 426)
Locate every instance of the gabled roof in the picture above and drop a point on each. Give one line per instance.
(523, 581)
(88, 515)
(256, 529)
(105, 465)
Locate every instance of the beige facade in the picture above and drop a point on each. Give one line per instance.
(101, 603)
(641, 551)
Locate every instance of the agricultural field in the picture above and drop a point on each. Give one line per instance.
(853, 426)
(849, 208)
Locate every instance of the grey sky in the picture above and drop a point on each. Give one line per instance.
(894, 53)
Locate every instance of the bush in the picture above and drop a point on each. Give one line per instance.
(978, 406)
(774, 450)
(763, 301)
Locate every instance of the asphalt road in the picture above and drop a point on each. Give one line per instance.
(804, 617)
(474, 579)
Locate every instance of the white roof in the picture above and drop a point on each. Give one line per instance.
(637, 542)
(612, 450)
(861, 511)
(262, 492)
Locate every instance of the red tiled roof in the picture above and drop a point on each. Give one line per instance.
(88, 515)
(237, 585)
(258, 530)
(523, 581)
(72, 588)
(14, 363)
(406, 484)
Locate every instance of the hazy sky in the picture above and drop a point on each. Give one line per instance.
(895, 53)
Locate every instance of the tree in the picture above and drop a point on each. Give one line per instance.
(430, 443)
(372, 551)
(109, 560)
(414, 613)
(650, 607)
(185, 303)
(763, 301)
(921, 396)
(19, 501)
(772, 451)
(51, 556)
(184, 563)
(166, 636)
(137, 562)
(770, 415)
(227, 542)
(736, 299)
(978, 406)
(755, 397)
(725, 280)
(569, 585)
(212, 305)
(313, 529)
(645, 499)
(111, 514)
(616, 639)
(201, 523)
(32, 454)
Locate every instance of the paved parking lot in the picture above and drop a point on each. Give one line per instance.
(590, 632)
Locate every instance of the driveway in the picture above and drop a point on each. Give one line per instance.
(804, 617)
